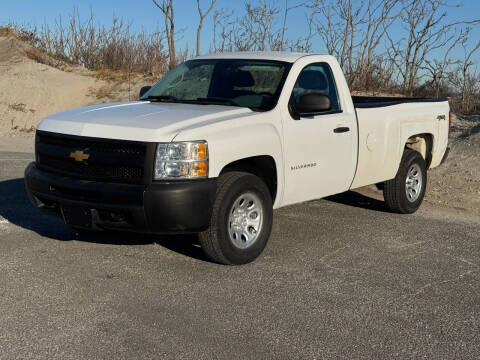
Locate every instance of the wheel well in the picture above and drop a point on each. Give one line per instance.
(423, 143)
(262, 166)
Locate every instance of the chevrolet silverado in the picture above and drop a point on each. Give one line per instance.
(222, 140)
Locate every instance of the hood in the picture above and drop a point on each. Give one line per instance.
(137, 120)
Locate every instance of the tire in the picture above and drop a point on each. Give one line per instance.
(401, 197)
(238, 230)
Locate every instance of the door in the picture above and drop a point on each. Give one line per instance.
(320, 150)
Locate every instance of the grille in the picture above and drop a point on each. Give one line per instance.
(94, 145)
(108, 160)
(90, 170)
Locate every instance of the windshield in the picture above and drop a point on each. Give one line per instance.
(255, 84)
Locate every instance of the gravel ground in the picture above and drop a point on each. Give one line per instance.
(340, 278)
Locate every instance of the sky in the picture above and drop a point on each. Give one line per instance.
(143, 14)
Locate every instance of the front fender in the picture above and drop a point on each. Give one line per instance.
(238, 140)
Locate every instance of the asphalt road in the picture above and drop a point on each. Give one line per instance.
(340, 278)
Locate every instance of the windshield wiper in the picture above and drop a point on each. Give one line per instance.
(164, 98)
(225, 101)
(216, 100)
(200, 100)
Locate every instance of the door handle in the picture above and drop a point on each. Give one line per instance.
(341, 129)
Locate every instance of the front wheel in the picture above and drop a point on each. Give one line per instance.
(405, 192)
(241, 220)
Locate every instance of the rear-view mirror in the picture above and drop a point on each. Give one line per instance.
(313, 103)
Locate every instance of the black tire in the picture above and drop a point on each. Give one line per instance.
(215, 241)
(395, 190)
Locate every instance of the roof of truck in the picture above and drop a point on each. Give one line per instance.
(260, 55)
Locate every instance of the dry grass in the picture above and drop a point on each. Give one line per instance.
(43, 58)
(21, 107)
(107, 50)
(108, 75)
(104, 92)
(6, 31)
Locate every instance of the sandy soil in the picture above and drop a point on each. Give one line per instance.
(30, 91)
(18, 142)
(457, 182)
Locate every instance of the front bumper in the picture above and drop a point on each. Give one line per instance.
(159, 208)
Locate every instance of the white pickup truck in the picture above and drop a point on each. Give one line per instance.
(222, 140)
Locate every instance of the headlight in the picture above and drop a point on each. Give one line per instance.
(181, 160)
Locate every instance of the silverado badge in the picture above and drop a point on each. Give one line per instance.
(79, 155)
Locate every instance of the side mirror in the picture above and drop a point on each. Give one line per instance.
(144, 90)
(313, 103)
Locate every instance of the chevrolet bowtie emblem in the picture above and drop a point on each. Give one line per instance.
(79, 156)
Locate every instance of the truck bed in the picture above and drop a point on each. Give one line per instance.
(384, 127)
(378, 101)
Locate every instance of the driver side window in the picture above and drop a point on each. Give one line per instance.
(316, 78)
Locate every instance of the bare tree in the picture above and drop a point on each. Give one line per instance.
(352, 31)
(224, 28)
(166, 7)
(438, 67)
(286, 11)
(468, 78)
(304, 44)
(307, 45)
(257, 28)
(337, 24)
(427, 29)
(428, 54)
(252, 31)
(202, 15)
(376, 21)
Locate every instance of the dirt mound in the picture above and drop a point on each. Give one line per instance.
(12, 50)
(30, 90)
(34, 85)
(457, 182)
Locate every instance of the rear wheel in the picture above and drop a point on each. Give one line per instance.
(241, 220)
(405, 192)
